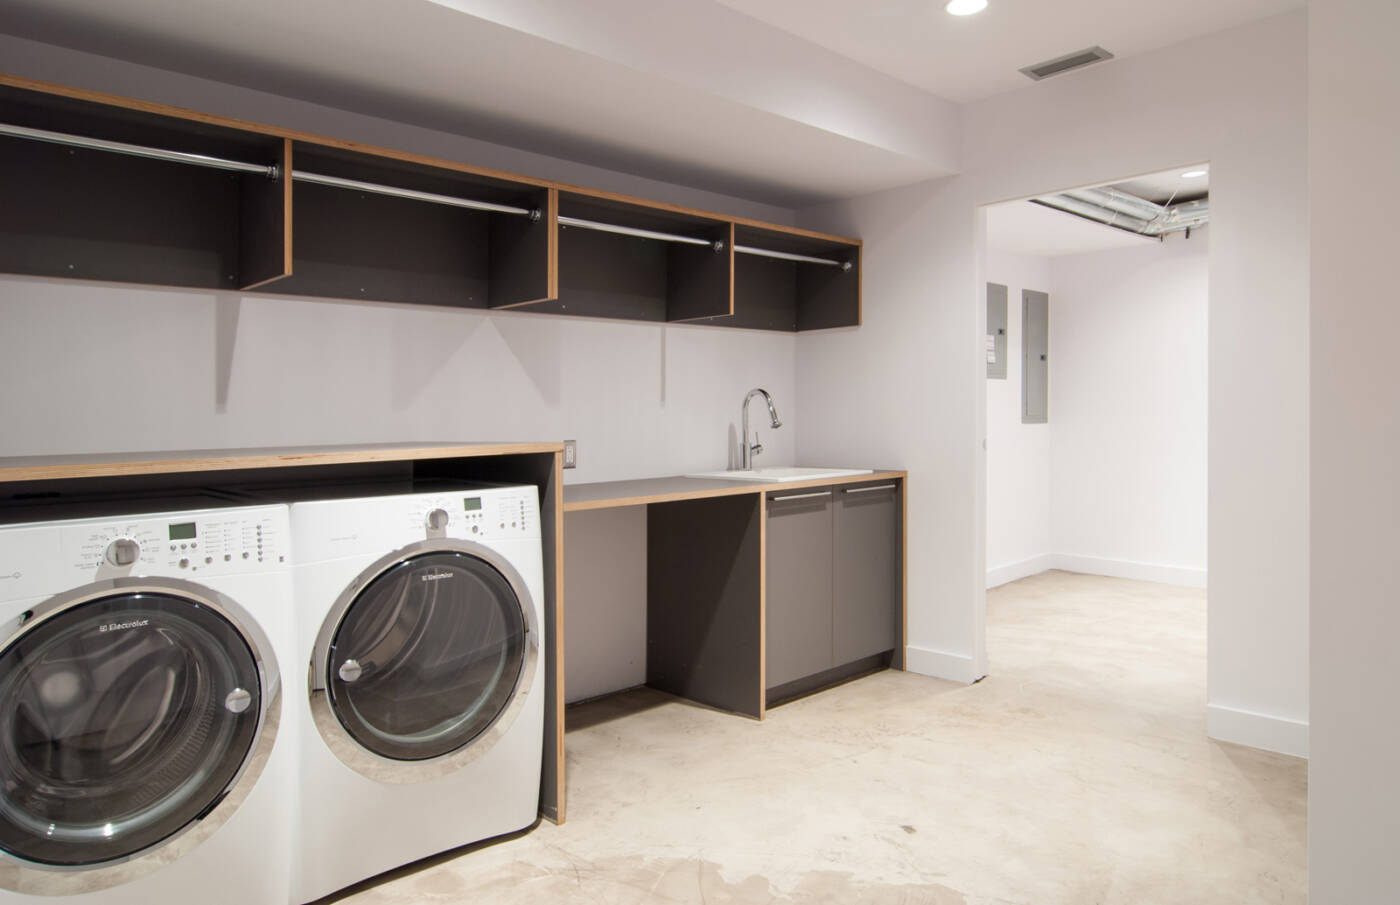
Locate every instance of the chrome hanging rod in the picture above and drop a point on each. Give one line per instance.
(119, 147)
(788, 256)
(238, 166)
(412, 194)
(638, 233)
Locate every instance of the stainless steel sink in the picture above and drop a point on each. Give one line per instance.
(782, 474)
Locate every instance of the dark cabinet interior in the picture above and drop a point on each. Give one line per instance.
(94, 214)
(104, 188)
(793, 280)
(640, 262)
(415, 246)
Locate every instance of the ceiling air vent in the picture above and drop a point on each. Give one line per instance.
(1066, 63)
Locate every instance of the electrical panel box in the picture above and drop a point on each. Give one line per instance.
(996, 331)
(1035, 356)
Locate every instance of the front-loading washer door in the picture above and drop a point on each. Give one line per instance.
(427, 655)
(127, 714)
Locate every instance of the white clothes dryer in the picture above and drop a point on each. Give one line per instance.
(423, 708)
(143, 742)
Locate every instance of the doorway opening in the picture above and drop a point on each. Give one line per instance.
(1096, 457)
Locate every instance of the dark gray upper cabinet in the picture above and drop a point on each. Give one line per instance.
(105, 188)
(798, 585)
(867, 570)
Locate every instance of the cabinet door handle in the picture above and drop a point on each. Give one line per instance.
(868, 489)
(800, 496)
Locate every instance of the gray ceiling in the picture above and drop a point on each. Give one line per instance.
(696, 92)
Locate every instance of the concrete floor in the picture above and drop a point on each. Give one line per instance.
(1077, 772)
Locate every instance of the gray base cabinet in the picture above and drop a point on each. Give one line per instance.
(833, 584)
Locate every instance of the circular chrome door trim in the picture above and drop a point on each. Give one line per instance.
(387, 770)
(34, 878)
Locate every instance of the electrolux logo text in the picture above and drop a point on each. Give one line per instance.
(119, 626)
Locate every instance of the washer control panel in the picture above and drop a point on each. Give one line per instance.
(205, 543)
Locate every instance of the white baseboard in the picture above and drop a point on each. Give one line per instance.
(940, 664)
(1122, 568)
(1023, 569)
(1257, 730)
(1097, 565)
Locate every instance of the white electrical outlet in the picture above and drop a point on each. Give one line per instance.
(570, 453)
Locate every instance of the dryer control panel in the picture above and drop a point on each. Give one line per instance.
(330, 529)
(474, 514)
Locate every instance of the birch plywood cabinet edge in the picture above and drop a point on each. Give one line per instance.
(292, 213)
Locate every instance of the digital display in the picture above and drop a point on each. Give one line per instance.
(182, 531)
(471, 503)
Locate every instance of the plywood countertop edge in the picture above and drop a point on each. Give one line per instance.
(700, 493)
(177, 462)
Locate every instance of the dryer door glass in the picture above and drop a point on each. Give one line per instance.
(426, 656)
(122, 720)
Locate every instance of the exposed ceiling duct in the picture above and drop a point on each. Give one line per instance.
(1121, 210)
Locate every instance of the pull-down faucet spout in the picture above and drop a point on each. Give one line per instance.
(746, 452)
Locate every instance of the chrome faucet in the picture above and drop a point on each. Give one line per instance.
(746, 452)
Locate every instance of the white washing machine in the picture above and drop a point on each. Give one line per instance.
(145, 755)
(421, 617)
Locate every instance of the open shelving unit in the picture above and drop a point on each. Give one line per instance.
(371, 227)
(626, 259)
(88, 211)
(99, 187)
(794, 280)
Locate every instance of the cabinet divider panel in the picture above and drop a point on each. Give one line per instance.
(703, 601)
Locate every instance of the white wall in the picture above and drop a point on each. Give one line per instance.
(908, 387)
(1128, 411)
(1115, 483)
(93, 367)
(1354, 129)
(1018, 455)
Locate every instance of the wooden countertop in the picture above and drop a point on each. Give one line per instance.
(96, 465)
(611, 494)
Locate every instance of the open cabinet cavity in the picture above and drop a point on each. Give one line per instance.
(621, 259)
(107, 188)
(372, 227)
(86, 196)
(794, 280)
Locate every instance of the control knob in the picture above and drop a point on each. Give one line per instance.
(123, 552)
(437, 520)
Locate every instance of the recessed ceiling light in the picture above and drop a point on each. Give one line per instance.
(1193, 174)
(965, 7)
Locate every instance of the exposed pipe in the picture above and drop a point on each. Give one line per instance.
(1128, 212)
(1094, 212)
(1116, 200)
